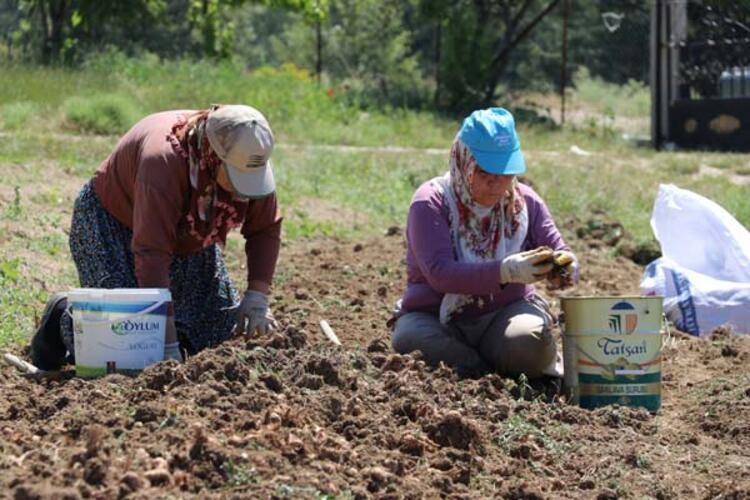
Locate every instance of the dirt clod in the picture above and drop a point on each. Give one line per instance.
(452, 429)
(607, 494)
(393, 231)
(132, 481)
(377, 478)
(159, 477)
(587, 484)
(324, 368)
(729, 351)
(272, 382)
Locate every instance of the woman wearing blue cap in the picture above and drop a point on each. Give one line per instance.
(477, 240)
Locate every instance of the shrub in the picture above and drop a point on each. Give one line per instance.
(15, 115)
(101, 114)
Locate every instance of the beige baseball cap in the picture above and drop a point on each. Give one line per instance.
(241, 136)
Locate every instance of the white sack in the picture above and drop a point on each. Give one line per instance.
(704, 274)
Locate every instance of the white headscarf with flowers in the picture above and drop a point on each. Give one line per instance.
(478, 233)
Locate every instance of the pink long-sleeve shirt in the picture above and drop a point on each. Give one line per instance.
(431, 266)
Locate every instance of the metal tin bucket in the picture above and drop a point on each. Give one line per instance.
(612, 351)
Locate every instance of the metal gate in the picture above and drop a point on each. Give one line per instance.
(700, 74)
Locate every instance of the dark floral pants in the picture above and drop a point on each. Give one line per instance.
(202, 292)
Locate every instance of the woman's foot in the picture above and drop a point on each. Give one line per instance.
(47, 349)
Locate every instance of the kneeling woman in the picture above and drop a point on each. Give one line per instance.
(155, 215)
(475, 239)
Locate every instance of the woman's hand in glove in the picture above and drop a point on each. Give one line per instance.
(526, 267)
(565, 271)
(253, 314)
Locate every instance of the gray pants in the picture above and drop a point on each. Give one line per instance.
(511, 341)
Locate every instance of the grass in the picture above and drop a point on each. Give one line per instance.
(297, 108)
(631, 100)
(237, 475)
(368, 189)
(20, 302)
(341, 193)
(518, 430)
(16, 115)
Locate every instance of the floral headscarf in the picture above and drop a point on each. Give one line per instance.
(480, 229)
(478, 233)
(212, 212)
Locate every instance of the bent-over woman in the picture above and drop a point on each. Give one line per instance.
(156, 214)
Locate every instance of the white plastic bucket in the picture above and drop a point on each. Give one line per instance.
(118, 330)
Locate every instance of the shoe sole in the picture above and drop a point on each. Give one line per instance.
(47, 349)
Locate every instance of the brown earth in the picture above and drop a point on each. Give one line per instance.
(294, 416)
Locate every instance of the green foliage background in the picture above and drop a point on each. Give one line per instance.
(402, 53)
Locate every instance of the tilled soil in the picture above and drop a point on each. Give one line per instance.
(292, 415)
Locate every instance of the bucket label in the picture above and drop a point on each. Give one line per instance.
(117, 337)
(612, 357)
(614, 364)
(131, 327)
(623, 318)
(620, 390)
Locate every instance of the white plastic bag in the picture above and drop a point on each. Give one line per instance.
(704, 274)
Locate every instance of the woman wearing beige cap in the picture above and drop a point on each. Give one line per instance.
(155, 215)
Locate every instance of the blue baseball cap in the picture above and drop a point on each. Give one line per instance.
(490, 135)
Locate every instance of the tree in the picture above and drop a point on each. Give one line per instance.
(518, 26)
(64, 27)
(218, 29)
(478, 43)
(53, 17)
(431, 14)
(314, 12)
(369, 48)
(62, 23)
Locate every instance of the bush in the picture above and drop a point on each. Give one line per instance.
(15, 115)
(100, 100)
(101, 114)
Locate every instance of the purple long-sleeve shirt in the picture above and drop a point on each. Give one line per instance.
(431, 266)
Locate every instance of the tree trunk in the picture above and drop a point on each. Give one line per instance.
(209, 30)
(481, 25)
(563, 66)
(438, 46)
(58, 17)
(318, 50)
(46, 41)
(52, 18)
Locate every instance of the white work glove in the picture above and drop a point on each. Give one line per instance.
(526, 267)
(566, 276)
(172, 351)
(253, 314)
